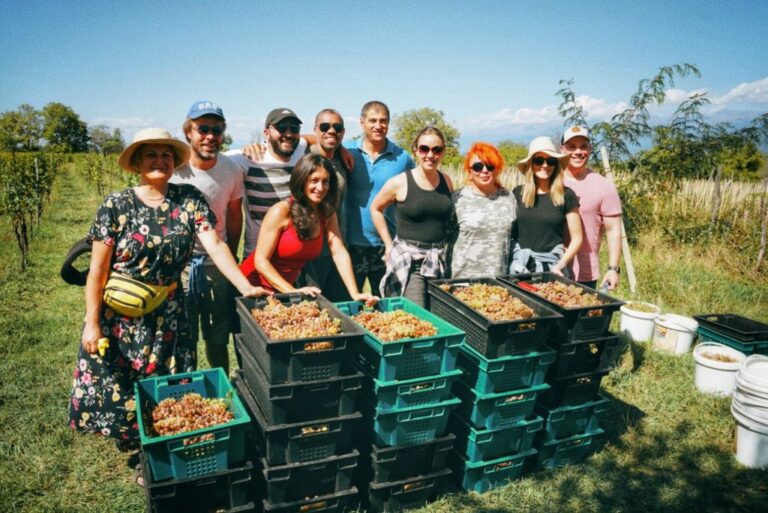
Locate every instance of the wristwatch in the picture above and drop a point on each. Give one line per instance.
(614, 268)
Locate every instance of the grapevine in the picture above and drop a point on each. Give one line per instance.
(493, 301)
(302, 320)
(395, 325)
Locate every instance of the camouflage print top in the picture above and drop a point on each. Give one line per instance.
(484, 231)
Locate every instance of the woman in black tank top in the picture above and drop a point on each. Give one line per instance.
(423, 211)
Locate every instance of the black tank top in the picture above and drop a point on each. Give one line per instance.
(424, 216)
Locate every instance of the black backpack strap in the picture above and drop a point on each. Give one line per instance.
(68, 272)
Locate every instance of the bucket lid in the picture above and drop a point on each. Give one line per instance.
(751, 401)
(754, 371)
(677, 322)
(744, 418)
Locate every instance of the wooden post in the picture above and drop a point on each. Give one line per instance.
(628, 266)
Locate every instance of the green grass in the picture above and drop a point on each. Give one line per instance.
(669, 448)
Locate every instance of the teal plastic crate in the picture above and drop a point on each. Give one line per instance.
(410, 357)
(569, 451)
(482, 476)
(488, 411)
(406, 493)
(182, 455)
(477, 445)
(573, 420)
(388, 395)
(490, 376)
(748, 348)
(402, 427)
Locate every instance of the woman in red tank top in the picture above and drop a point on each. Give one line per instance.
(292, 232)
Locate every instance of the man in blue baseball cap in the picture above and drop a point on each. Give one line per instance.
(210, 296)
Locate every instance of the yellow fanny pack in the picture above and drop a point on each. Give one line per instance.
(133, 298)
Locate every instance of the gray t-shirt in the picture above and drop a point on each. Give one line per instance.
(220, 185)
(485, 227)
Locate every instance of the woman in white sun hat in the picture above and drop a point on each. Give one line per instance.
(146, 234)
(545, 210)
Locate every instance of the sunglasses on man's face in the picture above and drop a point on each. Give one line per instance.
(436, 150)
(205, 130)
(539, 161)
(478, 167)
(324, 127)
(287, 127)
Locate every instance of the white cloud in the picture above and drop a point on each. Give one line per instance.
(749, 92)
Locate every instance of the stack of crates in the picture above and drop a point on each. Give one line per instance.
(302, 394)
(202, 470)
(741, 333)
(586, 353)
(504, 364)
(406, 401)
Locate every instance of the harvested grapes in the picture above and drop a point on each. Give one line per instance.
(191, 412)
(494, 302)
(566, 295)
(302, 320)
(395, 325)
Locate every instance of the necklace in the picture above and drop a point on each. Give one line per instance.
(146, 197)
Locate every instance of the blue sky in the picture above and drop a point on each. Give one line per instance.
(491, 67)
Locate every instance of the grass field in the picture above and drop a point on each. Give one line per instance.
(669, 448)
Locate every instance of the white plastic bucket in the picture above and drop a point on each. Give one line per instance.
(638, 324)
(674, 333)
(713, 376)
(751, 439)
(753, 373)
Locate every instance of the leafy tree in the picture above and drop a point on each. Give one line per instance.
(408, 124)
(21, 129)
(63, 129)
(104, 142)
(512, 152)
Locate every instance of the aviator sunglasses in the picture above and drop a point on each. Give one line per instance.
(324, 127)
(539, 161)
(478, 167)
(436, 150)
(205, 130)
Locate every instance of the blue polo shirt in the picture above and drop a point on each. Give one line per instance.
(363, 183)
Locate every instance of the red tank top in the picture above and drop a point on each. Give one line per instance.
(288, 259)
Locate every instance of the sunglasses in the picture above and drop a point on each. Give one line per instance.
(436, 150)
(478, 167)
(287, 127)
(205, 130)
(539, 161)
(324, 127)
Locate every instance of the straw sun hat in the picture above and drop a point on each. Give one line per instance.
(542, 145)
(154, 136)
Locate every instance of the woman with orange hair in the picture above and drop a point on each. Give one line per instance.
(485, 212)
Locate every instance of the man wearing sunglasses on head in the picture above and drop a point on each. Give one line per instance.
(377, 159)
(210, 303)
(266, 181)
(599, 208)
(322, 272)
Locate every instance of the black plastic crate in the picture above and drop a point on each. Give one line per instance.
(555, 453)
(572, 389)
(298, 481)
(397, 463)
(492, 339)
(585, 356)
(736, 326)
(576, 323)
(299, 442)
(228, 490)
(568, 421)
(300, 401)
(407, 493)
(305, 359)
(339, 502)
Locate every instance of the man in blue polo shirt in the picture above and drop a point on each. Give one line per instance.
(377, 159)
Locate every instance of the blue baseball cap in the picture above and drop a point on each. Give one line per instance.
(204, 108)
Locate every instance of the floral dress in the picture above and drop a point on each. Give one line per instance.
(152, 245)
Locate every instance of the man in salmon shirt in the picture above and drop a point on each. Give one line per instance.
(599, 208)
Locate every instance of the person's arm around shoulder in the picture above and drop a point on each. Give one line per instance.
(573, 221)
(101, 256)
(343, 262)
(393, 190)
(612, 226)
(219, 252)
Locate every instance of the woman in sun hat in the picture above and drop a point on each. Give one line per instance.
(545, 209)
(145, 233)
